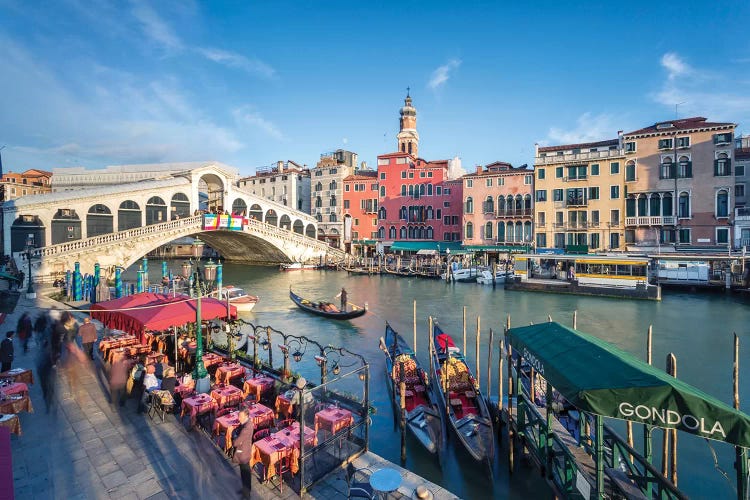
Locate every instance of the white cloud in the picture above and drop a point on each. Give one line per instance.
(233, 60)
(155, 28)
(247, 115)
(588, 128)
(443, 73)
(675, 65)
(345, 141)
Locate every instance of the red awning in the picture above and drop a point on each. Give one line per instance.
(155, 312)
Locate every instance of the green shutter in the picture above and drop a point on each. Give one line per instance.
(716, 168)
(689, 170)
(729, 167)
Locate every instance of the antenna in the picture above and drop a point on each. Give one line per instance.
(675, 108)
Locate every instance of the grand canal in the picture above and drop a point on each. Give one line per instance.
(697, 328)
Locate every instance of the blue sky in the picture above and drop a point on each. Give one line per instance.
(95, 83)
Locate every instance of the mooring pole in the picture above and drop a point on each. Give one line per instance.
(667, 432)
(575, 319)
(402, 412)
(476, 355)
(414, 346)
(511, 433)
(488, 389)
(673, 461)
(740, 453)
(647, 449)
(500, 357)
(464, 351)
(599, 422)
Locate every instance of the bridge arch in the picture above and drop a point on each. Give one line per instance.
(255, 212)
(99, 220)
(310, 231)
(298, 227)
(66, 226)
(180, 206)
(128, 215)
(286, 222)
(271, 217)
(211, 192)
(239, 207)
(156, 210)
(27, 229)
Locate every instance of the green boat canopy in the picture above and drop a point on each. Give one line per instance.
(601, 379)
(9, 277)
(414, 246)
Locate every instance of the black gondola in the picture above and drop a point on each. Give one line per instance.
(423, 416)
(326, 309)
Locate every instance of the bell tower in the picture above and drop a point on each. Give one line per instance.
(408, 137)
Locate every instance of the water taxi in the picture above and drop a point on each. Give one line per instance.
(239, 298)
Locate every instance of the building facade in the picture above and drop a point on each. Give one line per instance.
(579, 197)
(287, 183)
(741, 211)
(327, 194)
(497, 206)
(361, 212)
(33, 181)
(680, 183)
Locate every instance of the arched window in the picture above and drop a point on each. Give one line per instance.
(666, 205)
(319, 217)
(654, 205)
(527, 204)
(421, 189)
(381, 213)
(332, 218)
(429, 232)
(489, 205)
(411, 232)
(509, 232)
(469, 230)
(403, 189)
(402, 233)
(642, 205)
(519, 231)
(382, 191)
(500, 205)
(501, 232)
(392, 233)
(333, 201)
(402, 213)
(318, 202)
(429, 189)
(519, 203)
(429, 212)
(488, 231)
(410, 148)
(527, 231)
(683, 209)
(469, 205)
(332, 185)
(722, 203)
(319, 186)
(509, 204)
(381, 233)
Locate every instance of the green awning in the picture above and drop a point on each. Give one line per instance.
(9, 277)
(498, 248)
(599, 378)
(415, 246)
(364, 242)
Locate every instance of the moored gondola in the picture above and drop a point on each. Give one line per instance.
(326, 309)
(423, 416)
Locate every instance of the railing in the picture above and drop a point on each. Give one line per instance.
(650, 221)
(742, 213)
(577, 178)
(524, 212)
(588, 155)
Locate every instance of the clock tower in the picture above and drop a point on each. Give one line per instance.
(408, 137)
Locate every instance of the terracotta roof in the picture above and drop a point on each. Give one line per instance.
(742, 154)
(681, 124)
(583, 145)
(37, 171)
(395, 155)
(362, 177)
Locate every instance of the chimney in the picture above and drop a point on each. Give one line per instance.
(619, 139)
(479, 169)
(536, 149)
(280, 165)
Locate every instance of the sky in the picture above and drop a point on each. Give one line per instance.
(246, 83)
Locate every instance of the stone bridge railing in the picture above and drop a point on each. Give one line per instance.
(264, 229)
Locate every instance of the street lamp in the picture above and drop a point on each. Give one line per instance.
(30, 293)
(200, 374)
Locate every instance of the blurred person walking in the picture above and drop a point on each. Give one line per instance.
(24, 328)
(6, 352)
(88, 335)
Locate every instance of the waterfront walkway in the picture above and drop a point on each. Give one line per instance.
(84, 448)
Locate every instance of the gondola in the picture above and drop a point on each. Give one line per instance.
(459, 397)
(326, 309)
(423, 416)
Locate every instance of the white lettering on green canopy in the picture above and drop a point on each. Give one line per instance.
(662, 417)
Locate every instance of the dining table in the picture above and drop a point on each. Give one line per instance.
(211, 359)
(227, 395)
(226, 424)
(24, 375)
(228, 371)
(333, 419)
(15, 403)
(12, 422)
(278, 445)
(258, 385)
(198, 405)
(284, 406)
(125, 352)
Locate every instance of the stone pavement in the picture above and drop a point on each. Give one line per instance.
(85, 448)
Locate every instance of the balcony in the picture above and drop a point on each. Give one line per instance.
(577, 178)
(575, 157)
(650, 221)
(742, 213)
(524, 212)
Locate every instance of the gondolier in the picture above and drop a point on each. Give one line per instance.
(343, 298)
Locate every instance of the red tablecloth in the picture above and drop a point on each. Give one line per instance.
(228, 371)
(211, 359)
(19, 375)
(108, 343)
(15, 388)
(227, 396)
(270, 450)
(197, 405)
(260, 415)
(124, 352)
(227, 424)
(284, 406)
(258, 385)
(11, 422)
(16, 404)
(333, 419)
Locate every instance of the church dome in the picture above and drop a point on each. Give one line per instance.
(408, 109)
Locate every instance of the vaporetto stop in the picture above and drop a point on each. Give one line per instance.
(663, 417)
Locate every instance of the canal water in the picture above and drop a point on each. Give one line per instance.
(696, 327)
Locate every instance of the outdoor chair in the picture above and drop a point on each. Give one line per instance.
(358, 481)
(283, 424)
(283, 465)
(160, 403)
(261, 434)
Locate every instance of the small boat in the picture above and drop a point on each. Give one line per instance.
(298, 266)
(463, 275)
(423, 416)
(327, 309)
(239, 298)
(485, 277)
(459, 396)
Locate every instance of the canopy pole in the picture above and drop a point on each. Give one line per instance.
(488, 389)
(414, 346)
(599, 456)
(673, 461)
(476, 355)
(647, 449)
(464, 351)
(520, 406)
(548, 433)
(740, 453)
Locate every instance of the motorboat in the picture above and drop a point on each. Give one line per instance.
(239, 298)
(462, 275)
(298, 266)
(486, 278)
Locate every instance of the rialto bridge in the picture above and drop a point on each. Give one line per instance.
(115, 224)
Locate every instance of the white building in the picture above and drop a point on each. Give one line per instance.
(286, 183)
(327, 193)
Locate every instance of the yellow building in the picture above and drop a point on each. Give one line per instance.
(579, 197)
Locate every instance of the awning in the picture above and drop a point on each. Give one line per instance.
(9, 277)
(426, 251)
(498, 248)
(415, 246)
(599, 378)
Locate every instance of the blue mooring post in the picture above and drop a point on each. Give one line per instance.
(118, 282)
(97, 277)
(139, 286)
(164, 270)
(219, 278)
(145, 273)
(77, 285)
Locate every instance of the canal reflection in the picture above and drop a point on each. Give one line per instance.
(696, 327)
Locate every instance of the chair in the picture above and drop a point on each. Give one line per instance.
(283, 465)
(160, 403)
(358, 481)
(283, 424)
(224, 411)
(261, 434)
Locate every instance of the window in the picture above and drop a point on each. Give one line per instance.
(723, 138)
(665, 143)
(346, 204)
(541, 195)
(488, 182)
(421, 174)
(684, 235)
(595, 218)
(469, 183)
(382, 175)
(685, 168)
(559, 172)
(541, 219)
(739, 190)
(469, 205)
(630, 171)
(429, 174)
(382, 191)
(411, 175)
(630, 147)
(594, 240)
(403, 174)
(666, 169)
(540, 173)
(722, 235)
(346, 188)
(527, 179)
(594, 193)
(739, 170)
(722, 165)
(614, 218)
(614, 192)
(541, 240)
(614, 240)
(595, 169)
(576, 196)
(683, 142)
(488, 231)
(614, 168)
(557, 194)
(683, 207)
(469, 230)
(722, 203)
(577, 172)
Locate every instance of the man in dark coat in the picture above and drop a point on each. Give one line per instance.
(87, 332)
(24, 328)
(242, 440)
(6, 352)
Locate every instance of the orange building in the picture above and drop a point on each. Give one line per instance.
(361, 212)
(32, 181)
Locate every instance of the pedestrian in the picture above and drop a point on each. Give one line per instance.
(118, 378)
(47, 374)
(88, 335)
(6, 352)
(24, 328)
(40, 325)
(242, 441)
(343, 299)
